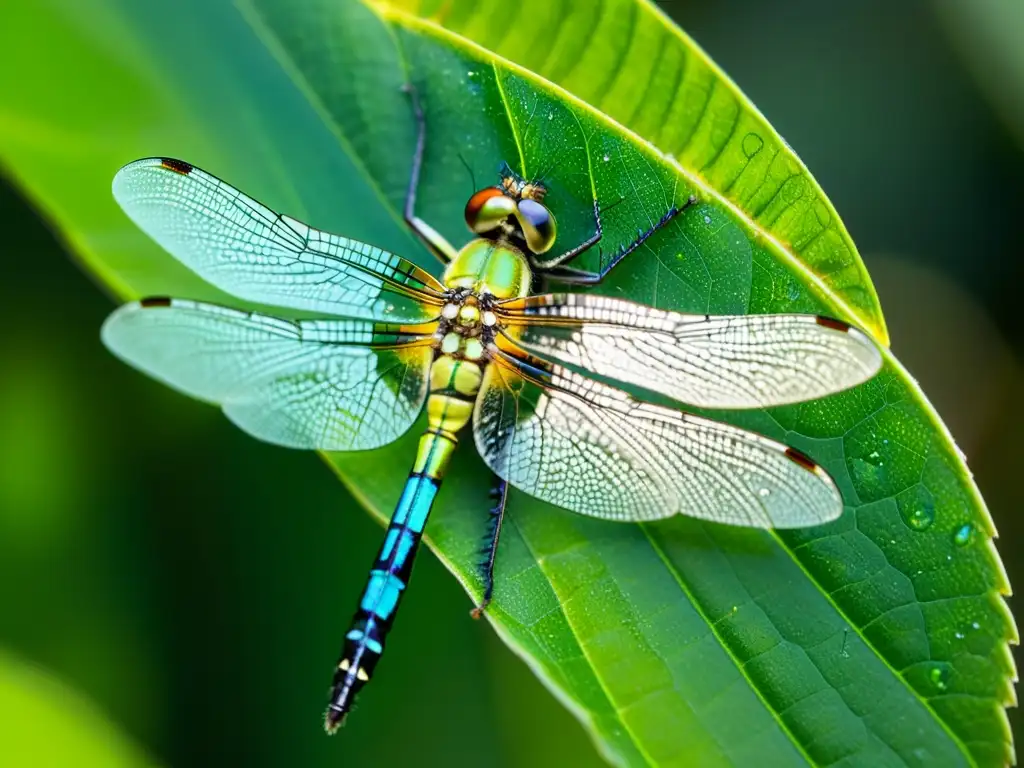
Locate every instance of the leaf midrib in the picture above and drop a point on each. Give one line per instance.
(699, 608)
(638, 743)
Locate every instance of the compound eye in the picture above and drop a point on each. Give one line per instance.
(538, 225)
(487, 209)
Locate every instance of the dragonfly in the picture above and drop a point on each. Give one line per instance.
(527, 373)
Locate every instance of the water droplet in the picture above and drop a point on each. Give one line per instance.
(707, 219)
(752, 144)
(764, 492)
(606, 158)
(939, 675)
(959, 635)
(916, 508)
(975, 625)
(551, 115)
(963, 535)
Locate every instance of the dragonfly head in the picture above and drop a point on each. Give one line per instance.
(513, 209)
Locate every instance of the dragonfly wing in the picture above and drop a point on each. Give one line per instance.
(249, 251)
(741, 361)
(336, 385)
(593, 449)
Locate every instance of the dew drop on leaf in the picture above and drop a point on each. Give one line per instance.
(917, 508)
(963, 535)
(939, 675)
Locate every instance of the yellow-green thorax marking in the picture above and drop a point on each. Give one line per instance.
(489, 267)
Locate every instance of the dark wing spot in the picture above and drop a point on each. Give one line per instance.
(155, 301)
(829, 322)
(798, 457)
(178, 166)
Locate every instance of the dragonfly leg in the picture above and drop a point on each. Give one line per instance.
(433, 239)
(581, 277)
(499, 494)
(590, 242)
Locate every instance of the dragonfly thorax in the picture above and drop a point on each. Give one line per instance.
(488, 267)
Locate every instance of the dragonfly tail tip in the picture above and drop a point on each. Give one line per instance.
(334, 718)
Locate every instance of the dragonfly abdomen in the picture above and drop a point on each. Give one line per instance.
(364, 641)
(454, 384)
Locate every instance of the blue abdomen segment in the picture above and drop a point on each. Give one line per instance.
(364, 641)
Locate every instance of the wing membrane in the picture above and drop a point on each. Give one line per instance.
(248, 250)
(743, 361)
(593, 449)
(337, 385)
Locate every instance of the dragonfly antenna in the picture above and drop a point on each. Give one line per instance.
(472, 176)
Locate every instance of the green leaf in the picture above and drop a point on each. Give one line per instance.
(879, 639)
(627, 60)
(35, 708)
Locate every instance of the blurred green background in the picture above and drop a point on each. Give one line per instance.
(193, 584)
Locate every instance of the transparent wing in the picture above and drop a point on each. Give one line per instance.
(593, 449)
(742, 361)
(251, 252)
(336, 385)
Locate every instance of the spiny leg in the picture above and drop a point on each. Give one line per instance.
(433, 239)
(581, 277)
(499, 495)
